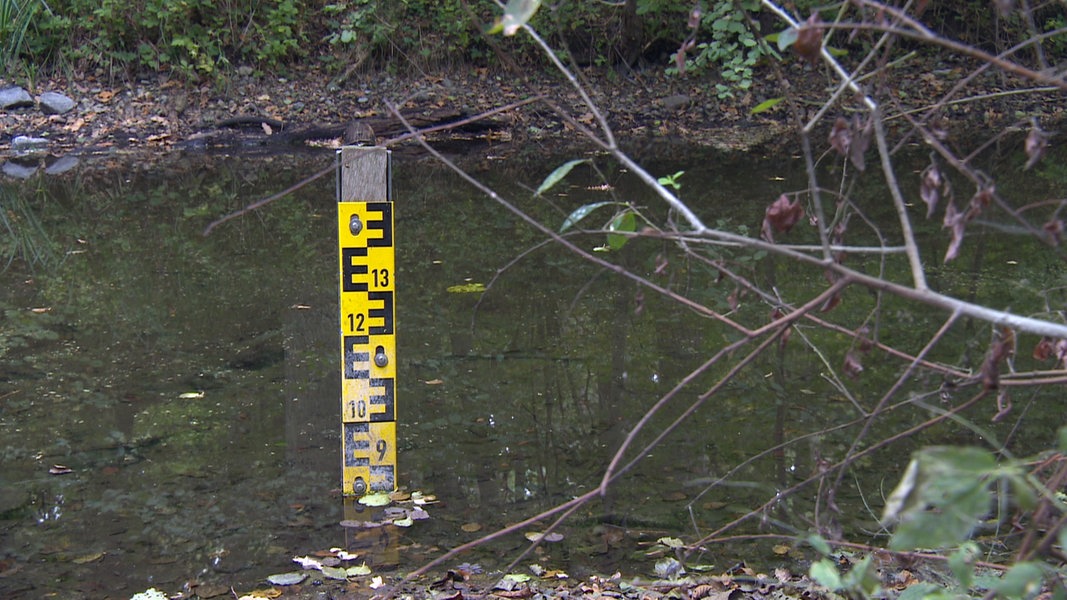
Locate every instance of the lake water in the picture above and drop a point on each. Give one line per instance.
(169, 401)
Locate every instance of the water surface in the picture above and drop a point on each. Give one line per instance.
(190, 384)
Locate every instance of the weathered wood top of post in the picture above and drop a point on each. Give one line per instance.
(363, 174)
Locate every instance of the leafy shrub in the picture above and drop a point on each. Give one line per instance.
(194, 37)
(733, 46)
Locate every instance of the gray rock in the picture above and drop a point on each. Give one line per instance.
(18, 170)
(675, 102)
(14, 97)
(23, 145)
(54, 103)
(62, 165)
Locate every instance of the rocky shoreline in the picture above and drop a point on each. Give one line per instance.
(58, 118)
(51, 124)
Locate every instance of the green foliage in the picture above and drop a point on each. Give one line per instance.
(193, 37)
(16, 16)
(945, 495)
(417, 30)
(734, 48)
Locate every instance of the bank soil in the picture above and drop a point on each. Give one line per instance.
(246, 111)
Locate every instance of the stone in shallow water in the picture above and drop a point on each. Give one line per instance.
(54, 103)
(62, 165)
(18, 170)
(23, 145)
(14, 97)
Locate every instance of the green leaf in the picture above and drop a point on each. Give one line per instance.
(765, 105)
(334, 572)
(948, 496)
(625, 221)
(555, 176)
(1021, 581)
(517, 13)
(962, 564)
(786, 38)
(376, 499)
(580, 213)
(924, 591)
(821, 546)
(825, 573)
(1062, 439)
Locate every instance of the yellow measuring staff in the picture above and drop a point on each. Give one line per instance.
(368, 347)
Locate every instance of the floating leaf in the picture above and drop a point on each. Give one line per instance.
(375, 499)
(555, 176)
(405, 522)
(421, 499)
(671, 542)
(580, 213)
(471, 527)
(467, 288)
(149, 594)
(191, 395)
(306, 562)
(517, 577)
(335, 573)
(377, 582)
(358, 570)
(287, 578)
(669, 568)
(765, 105)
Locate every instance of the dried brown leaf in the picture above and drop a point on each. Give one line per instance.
(1054, 229)
(808, 44)
(841, 136)
(955, 222)
(861, 140)
(930, 188)
(780, 216)
(1043, 349)
(853, 366)
(1035, 145)
(1003, 348)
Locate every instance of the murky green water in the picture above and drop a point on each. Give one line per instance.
(190, 384)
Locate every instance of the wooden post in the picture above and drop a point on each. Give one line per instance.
(367, 317)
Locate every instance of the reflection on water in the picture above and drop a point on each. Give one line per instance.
(183, 390)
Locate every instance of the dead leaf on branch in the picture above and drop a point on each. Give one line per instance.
(781, 216)
(852, 139)
(808, 44)
(1035, 145)
(841, 136)
(853, 366)
(1002, 349)
(956, 222)
(1051, 348)
(861, 140)
(1054, 229)
(931, 186)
